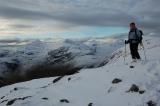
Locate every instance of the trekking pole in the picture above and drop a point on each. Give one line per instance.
(124, 54)
(144, 52)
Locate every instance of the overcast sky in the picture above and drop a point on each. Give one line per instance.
(19, 17)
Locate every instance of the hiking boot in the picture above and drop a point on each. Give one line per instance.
(133, 61)
(139, 59)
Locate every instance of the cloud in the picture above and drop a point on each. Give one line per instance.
(78, 13)
(21, 26)
(23, 14)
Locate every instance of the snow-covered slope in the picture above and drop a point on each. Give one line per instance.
(115, 84)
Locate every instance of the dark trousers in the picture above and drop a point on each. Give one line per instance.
(134, 50)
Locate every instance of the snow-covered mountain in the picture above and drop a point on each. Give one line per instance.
(115, 84)
(47, 58)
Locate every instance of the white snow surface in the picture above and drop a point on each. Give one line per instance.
(94, 86)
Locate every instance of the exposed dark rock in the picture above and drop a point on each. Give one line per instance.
(4, 100)
(57, 79)
(24, 98)
(60, 55)
(11, 101)
(151, 103)
(142, 91)
(15, 99)
(64, 58)
(116, 80)
(134, 88)
(90, 104)
(58, 52)
(64, 101)
(19, 88)
(2, 97)
(69, 78)
(131, 66)
(15, 89)
(45, 98)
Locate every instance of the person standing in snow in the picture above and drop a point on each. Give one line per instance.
(134, 39)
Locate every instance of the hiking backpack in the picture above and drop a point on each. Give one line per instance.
(139, 38)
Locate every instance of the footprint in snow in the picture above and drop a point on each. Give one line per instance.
(151, 66)
(111, 89)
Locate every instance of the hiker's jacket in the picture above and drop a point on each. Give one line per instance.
(135, 36)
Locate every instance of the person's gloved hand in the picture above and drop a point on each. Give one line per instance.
(141, 44)
(126, 41)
